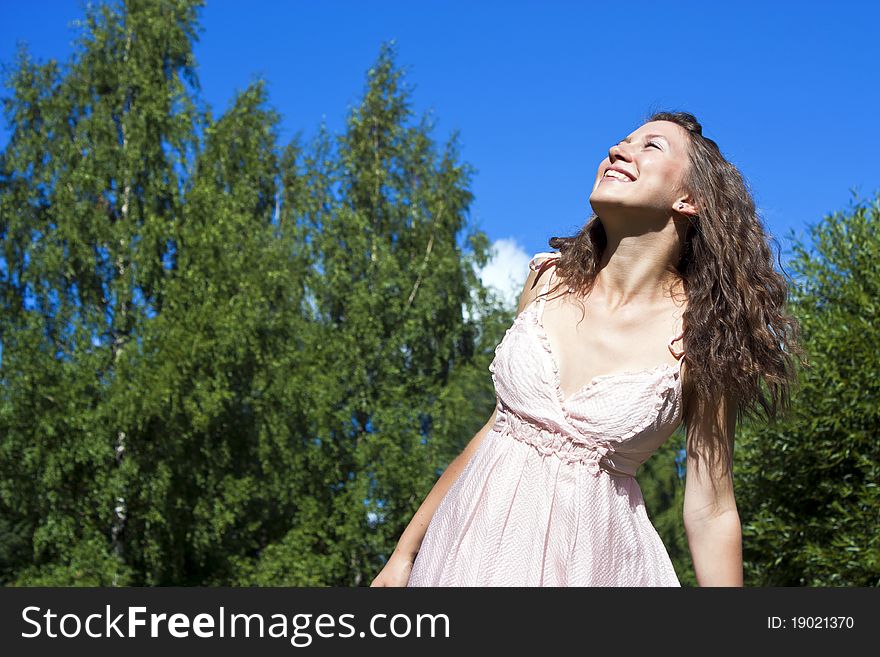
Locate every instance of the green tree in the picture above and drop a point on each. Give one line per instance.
(89, 201)
(224, 362)
(808, 485)
(218, 418)
(400, 346)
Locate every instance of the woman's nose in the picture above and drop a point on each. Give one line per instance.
(616, 152)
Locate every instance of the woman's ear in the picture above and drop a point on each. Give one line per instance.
(684, 206)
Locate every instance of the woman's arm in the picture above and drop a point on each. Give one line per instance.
(398, 568)
(716, 550)
(711, 519)
(411, 539)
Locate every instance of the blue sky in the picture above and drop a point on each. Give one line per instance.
(540, 90)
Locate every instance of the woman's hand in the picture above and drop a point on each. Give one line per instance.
(396, 571)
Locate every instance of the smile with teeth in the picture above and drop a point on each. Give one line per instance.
(610, 173)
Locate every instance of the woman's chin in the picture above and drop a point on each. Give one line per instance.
(601, 200)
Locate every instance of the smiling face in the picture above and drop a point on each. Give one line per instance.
(652, 163)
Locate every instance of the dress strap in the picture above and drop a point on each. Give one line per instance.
(550, 259)
(535, 263)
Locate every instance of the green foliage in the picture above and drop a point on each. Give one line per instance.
(395, 361)
(807, 486)
(89, 202)
(224, 362)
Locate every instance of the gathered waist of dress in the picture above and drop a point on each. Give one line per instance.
(587, 450)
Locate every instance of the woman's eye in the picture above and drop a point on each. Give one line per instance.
(651, 143)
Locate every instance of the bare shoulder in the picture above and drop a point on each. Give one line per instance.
(529, 292)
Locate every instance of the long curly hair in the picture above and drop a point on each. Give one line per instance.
(736, 326)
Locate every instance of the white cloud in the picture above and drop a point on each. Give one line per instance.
(506, 270)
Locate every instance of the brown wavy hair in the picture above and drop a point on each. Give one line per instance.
(737, 330)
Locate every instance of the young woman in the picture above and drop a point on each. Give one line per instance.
(684, 314)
